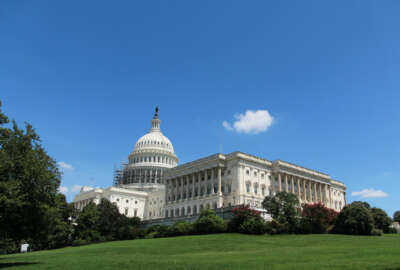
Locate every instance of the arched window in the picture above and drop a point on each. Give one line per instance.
(188, 211)
(195, 209)
(182, 211)
(172, 213)
(215, 205)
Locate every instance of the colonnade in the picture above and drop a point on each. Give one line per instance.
(195, 185)
(305, 189)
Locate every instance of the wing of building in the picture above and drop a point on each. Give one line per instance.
(152, 186)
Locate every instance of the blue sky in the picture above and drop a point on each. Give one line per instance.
(88, 74)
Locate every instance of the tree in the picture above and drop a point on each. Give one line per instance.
(109, 220)
(283, 207)
(316, 218)
(355, 219)
(29, 181)
(87, 221)
(381, 220)
(396, 216)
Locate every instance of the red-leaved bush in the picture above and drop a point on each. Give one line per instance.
(316, 218)
(241, 214)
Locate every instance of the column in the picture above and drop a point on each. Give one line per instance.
(193, 184)
(199, 183)
(220, 199)
(271, 184)
(292, 183)
(279, 182)
(315, 192)
(309, 191)
(320, 193)
(304, 189)
(286, 183)
(212, 182)
(219, 182)
(298, 188)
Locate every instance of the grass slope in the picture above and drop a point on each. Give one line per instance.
(223, 251)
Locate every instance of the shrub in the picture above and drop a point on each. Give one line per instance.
(80, 242)
(208, 222)
(354, 219)
(253, 226)
(274, 227)
(316, 218)
(241, 214)
(180, 228)
(376, 232)
(392, 230)
(158, 231)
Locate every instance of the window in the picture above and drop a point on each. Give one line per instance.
(127, 201)
(255, 173)
(263, 191)
(229, 172)
(135, 202)
(126, 211)
(117, 199)
(247, 172)
(255, 189)
(262, 176)
(135, 213)
(248, 187)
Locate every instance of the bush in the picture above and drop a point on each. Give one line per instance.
(376, 232)
(253, 226)
(392, 230)
(80, 242)
(354, 219)
(208, 223)
(241, 214)
(274, 227)
(316, 218)
(8, 246)
(180, 228)
(158, 231)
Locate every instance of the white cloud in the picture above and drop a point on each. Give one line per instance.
(227, 126)
(63, 190)
(65, 165)
(76, 188)
(252, 122)
(370, 193)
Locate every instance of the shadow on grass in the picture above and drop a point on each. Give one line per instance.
(15, 264)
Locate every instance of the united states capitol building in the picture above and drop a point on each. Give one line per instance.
(152, 186)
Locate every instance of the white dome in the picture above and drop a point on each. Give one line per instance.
(153, 148)
(154, 140)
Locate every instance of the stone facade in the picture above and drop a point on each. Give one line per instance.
(220, 181)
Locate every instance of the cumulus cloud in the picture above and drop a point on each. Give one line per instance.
(65, 165)
(370, 193)
(76, 188)
(64, 190)
(251, 122)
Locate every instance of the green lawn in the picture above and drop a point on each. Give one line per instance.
(223, 251)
